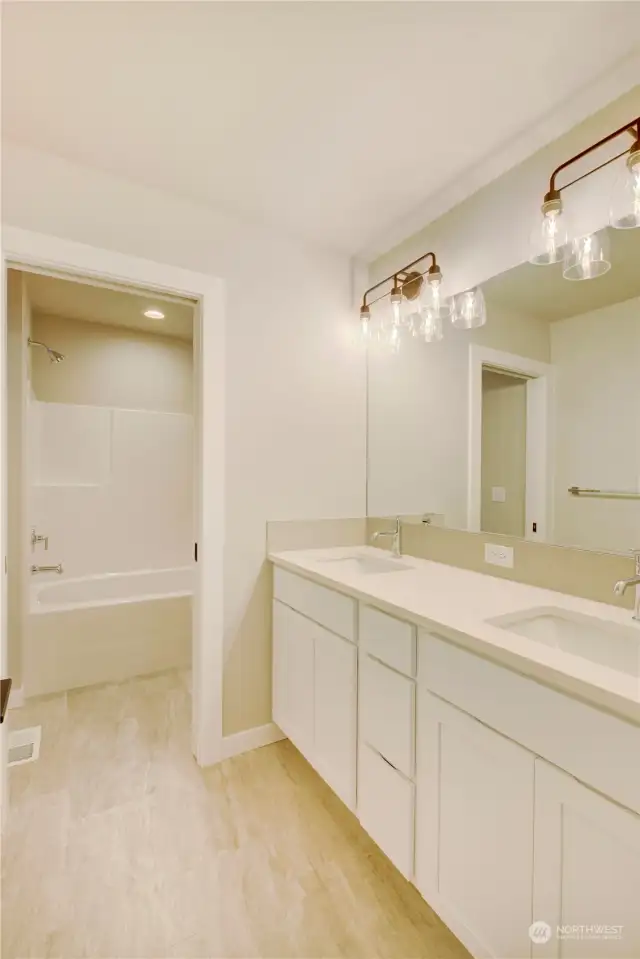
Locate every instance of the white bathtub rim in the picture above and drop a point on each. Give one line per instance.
(39, 608)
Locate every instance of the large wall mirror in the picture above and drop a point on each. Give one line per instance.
(529, 426)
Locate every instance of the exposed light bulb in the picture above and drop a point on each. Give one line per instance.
(365, 324)
(432, 331)
(396, 306)
(550, 235)
(394, 339)
(625, 199)
(469, 310)
(435, 302)
(587, 257)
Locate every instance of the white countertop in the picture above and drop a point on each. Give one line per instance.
(458, 603)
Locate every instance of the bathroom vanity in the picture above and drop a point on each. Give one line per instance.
(497, 768)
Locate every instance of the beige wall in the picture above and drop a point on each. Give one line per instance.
(504, 453)
(490, 231)
(18, 323)
(597, 397)
(418, 416)
(294, 443)
(111, 366)
(578, 572)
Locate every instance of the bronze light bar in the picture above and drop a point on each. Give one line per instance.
(553, 194)
(407, 284)
(586, 257)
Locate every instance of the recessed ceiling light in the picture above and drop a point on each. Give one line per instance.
(154, 314)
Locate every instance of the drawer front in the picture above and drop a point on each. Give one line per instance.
(388, 639)
(595, 747)
(387, 714)
(386, 808)
(332, 610)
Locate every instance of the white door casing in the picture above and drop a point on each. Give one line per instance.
(24, 249)
(539, 470)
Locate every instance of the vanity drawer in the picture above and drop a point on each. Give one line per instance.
(388, 639)
(597, 748)
(386, 808)
(387, 714)
(326, 607)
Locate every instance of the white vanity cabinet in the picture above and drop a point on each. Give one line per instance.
(315, 677)
(511, 805)
(586, 870)
(474, 829)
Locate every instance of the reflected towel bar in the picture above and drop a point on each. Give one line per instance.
(613, 493)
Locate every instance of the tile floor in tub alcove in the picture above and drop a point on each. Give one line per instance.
(117, 846)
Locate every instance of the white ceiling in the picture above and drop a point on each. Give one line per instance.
(96, 304)
(543, 291)
(331, 120)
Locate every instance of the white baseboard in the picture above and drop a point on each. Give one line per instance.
(251, 739)
(16, 697)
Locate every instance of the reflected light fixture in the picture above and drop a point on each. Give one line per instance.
(415, 304)
(587, 257)
(154, 314)
(469, 310)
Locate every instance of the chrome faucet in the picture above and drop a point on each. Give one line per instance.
(622, 585)
(47, 569)
(395, 532)
(36, 538)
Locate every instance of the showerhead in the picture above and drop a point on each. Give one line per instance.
(54, 356)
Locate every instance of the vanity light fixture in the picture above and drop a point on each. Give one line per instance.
(416, 304)
(587, 257)
(154, 314)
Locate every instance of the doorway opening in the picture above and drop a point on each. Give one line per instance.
(504, 452)
(100, 482)
(509, 481)
(76, 444)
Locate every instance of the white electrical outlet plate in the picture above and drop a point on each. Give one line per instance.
(498, 555)
(498, 494)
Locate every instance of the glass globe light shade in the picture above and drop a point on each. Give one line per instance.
(469, 310)
(433, 300)
(587, 257)
(431, 328)
(625, 198)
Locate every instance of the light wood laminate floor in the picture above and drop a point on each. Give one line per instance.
(117, 846)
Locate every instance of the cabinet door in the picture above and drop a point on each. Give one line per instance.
(587, 871)
(474, 829)
(293, 642)
(335, 713)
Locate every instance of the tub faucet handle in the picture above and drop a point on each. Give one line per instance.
(48, 569)
(36, 538)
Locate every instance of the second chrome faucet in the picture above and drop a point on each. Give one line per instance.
(623, 584)
(396, 533)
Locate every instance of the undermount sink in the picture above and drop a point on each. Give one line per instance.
(608, 644)
(370, 565)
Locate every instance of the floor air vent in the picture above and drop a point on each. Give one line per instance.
(24, 745)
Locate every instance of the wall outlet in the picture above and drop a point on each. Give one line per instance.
(498, 555)
(498, 494)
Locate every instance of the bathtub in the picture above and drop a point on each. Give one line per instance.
(107, 628)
